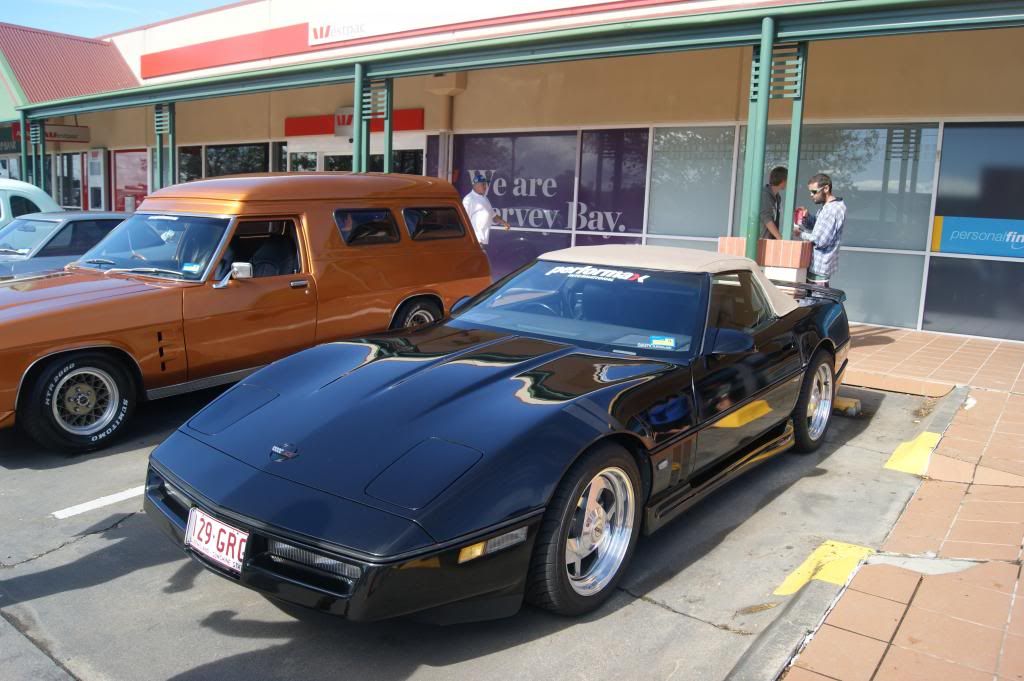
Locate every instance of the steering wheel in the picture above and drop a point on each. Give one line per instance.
(543, 308)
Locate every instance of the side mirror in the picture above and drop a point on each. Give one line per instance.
(731, 342)
(459, 304)
(239, 270)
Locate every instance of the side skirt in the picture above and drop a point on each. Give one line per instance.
(200, 384)
(660, 511)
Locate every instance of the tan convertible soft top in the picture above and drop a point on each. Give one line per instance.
(671, 259)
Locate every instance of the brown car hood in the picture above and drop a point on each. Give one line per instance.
(63, 289)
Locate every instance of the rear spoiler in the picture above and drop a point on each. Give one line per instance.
(812, 290)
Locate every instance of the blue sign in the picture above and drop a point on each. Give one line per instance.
(978, 236)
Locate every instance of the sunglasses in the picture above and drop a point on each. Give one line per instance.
(815, 192)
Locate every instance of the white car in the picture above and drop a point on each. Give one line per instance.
(20, 198)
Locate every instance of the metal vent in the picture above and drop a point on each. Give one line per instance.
(787, 72)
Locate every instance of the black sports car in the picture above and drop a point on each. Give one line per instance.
(516, 449)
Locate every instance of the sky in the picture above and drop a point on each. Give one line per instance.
(93, 18)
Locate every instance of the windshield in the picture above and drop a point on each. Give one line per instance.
(629, 311)
(175, 246)
(21, 236)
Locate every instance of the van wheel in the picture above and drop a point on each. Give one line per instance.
(417, 313)
(78, 403)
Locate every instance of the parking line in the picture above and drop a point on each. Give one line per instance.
(831, 562)
(912, 457)
(98, 503)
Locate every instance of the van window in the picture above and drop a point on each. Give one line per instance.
(433, 223)
(364, 227)
(270, 246)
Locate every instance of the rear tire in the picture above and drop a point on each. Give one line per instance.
(585, 542)
(419, 312)
(813, 413)
(78, 402)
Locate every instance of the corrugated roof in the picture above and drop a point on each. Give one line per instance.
(52, 66)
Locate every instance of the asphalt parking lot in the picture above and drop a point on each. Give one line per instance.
(102, 594)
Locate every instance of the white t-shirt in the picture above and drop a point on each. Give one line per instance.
(481, 214)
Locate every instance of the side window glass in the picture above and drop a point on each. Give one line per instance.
(737, 303)
(60, 244)
(364, 227)
(270, 246)
(22, 206)
(433, 223)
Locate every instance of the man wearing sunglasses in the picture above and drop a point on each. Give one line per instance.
(824, 230)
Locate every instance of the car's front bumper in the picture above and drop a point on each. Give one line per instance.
(431, 581)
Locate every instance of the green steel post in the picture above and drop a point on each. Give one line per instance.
(357, 119)
(23, 170)
(172, 151)
(756, 141)
(387, 124)
(793, 164)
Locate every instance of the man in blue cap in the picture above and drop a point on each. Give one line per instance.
(481, 213)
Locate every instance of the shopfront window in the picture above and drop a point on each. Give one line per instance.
(190, 163)
(69, 181)
(131, 178)
(883, 172)
(691, 180)
(279, 157)
(979, 213)
(302, 161)
(408, 161)
(613, 178)
(338, 162)
(234, 159)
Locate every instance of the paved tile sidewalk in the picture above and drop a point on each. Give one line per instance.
(893, 623)
(924, 363)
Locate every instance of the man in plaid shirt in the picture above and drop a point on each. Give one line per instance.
(825, 230)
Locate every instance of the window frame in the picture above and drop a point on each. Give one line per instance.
(345, 240)
(419, 236)
(233, 232)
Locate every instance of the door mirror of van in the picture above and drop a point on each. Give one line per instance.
(459, 304)
(239, 270)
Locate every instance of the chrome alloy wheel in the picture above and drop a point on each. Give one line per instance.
(85, 401)
(600, 531)
(419, 318)
(819, 406)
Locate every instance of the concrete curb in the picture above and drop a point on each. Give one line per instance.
(774, 647)
(21, 659)
(947, 409)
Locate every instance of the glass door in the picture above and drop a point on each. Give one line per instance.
(69, 181)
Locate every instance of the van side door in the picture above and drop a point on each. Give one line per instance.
(234, 324)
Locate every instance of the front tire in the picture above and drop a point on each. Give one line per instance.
(78, 403)
(588, 534)
(813, 413)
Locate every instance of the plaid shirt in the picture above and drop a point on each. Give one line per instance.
(826, 234)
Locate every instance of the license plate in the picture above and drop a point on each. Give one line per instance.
(221, 543)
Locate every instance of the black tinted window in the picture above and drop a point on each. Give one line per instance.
(363, 227)
(433, 223)
(737, 303)
(22, 206)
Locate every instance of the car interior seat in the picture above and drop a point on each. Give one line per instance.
(276, 256)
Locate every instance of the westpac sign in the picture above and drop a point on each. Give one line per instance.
(323, 32)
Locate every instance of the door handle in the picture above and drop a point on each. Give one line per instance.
(301, 283)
